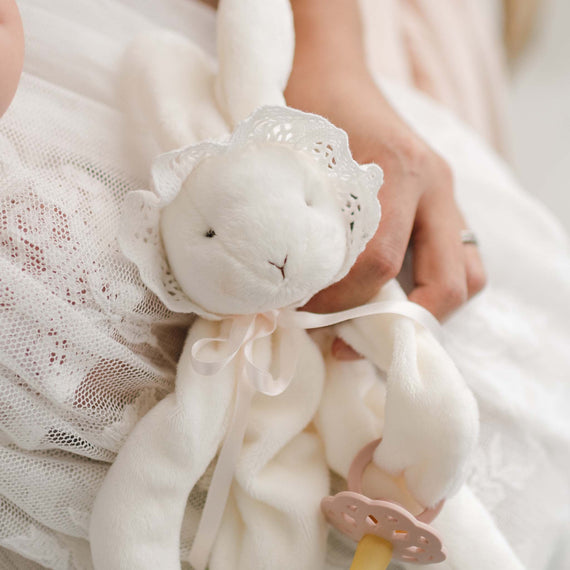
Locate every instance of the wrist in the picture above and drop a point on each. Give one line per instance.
(328, 38)
(319, 88)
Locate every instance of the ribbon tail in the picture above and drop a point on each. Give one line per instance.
(262, 380)
(222, 479)
(306, 320)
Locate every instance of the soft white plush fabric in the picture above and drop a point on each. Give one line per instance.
(280, 478)
(63, 147)
(258, 222)
(171, 119)
(255, 42)
(267, 200)
(426, 447)
(230, 215)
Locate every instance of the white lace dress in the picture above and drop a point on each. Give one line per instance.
(86, 349)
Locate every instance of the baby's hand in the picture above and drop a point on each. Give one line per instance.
(11, 51)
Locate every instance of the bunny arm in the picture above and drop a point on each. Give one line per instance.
(351, 412)
(138, 511)
(351, 415)
(431, 419)
(168, 85)
(256, 43)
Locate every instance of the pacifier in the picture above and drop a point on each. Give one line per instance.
(387, 521)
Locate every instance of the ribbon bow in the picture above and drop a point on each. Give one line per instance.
(245, 330)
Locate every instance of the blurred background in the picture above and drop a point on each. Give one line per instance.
(540, 109)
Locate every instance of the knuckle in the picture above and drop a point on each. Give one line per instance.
(415, 152)
(425, 164)
(443, 175)
(444, 169)
(415, 159)
(387, 264)
(454, 293)
(476, 281)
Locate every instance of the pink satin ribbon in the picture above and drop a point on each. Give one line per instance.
(245, 330)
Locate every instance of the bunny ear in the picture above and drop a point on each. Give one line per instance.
(256, 43)
(169, 170)
(167, 83)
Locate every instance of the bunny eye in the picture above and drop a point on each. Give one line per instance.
(210, 233)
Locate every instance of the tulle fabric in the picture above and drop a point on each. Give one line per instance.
(85, 348)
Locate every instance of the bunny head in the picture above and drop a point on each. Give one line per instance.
(259, 225)
(262, 221)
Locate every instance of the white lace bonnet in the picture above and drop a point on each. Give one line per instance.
(357, 187)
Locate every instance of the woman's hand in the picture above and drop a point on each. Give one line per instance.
(417, 196)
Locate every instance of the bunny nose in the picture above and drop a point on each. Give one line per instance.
(280, 267)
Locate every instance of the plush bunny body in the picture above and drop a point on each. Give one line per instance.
(239, 229)
(279, 480)
(249, 226)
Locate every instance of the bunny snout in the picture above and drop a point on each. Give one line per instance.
(280, 267)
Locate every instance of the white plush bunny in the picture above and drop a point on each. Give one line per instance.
(259, 222)
(247, 226)
(241, 230)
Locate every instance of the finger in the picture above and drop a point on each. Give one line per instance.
(342, 351)
(381, 260)
(474, 269)
(399, 204)
(439, 257)
(475, 275)
(361, 283)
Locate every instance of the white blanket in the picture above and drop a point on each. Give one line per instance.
(510, 343)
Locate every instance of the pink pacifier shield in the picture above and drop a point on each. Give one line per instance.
(361, 461)
(356, 516)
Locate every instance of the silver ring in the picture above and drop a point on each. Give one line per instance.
(468, 237)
